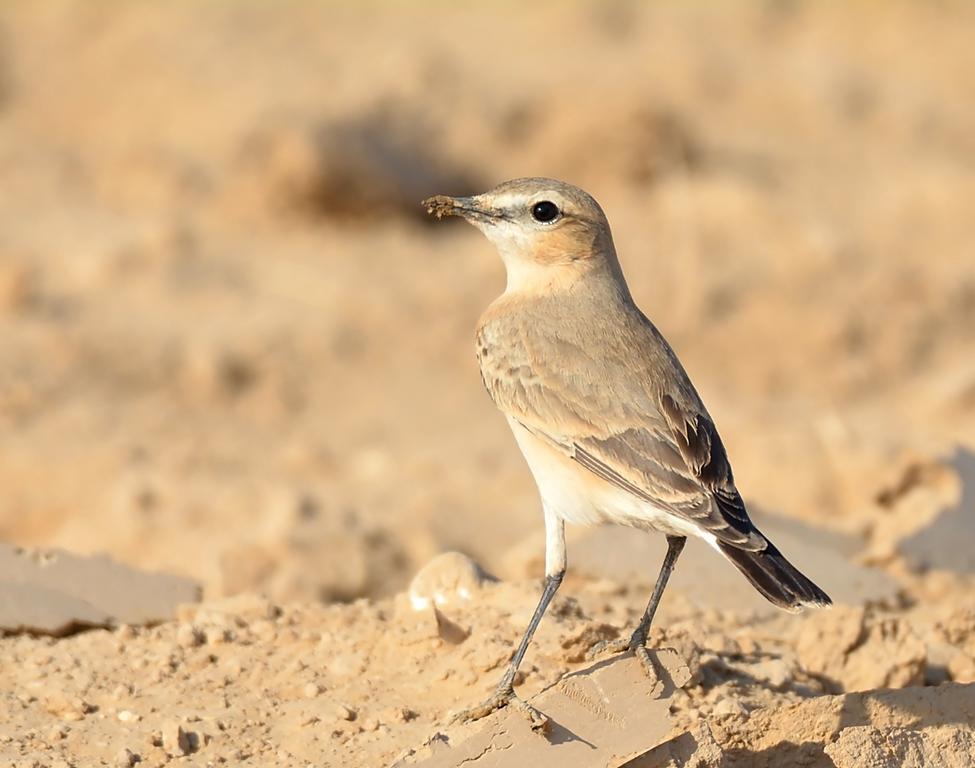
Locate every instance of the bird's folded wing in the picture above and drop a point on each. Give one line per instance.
(645, 442)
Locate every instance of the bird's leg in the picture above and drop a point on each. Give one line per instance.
(504, 694)
(675, 544)
(638, 640)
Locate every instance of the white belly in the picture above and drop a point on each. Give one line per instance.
(561, 485)
(578, 496)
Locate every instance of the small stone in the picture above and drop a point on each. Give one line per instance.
(370, 724)
(175, 741)
(265, 630)
(121, 692)
(71, 708)
(342, 712)
(128, 716)
(218, 635)
(189, 636)
(311, 690)
(729, 708)
(776, 672)
(125, 758)
(449, 578)
(961, 668)
(398, 714)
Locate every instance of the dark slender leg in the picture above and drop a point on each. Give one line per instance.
(674, 546)
(638, 640)
(504, 694)
(551, 587)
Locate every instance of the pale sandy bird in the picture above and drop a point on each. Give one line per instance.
(608, 420)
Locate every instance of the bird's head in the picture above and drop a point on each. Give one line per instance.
(546, 231)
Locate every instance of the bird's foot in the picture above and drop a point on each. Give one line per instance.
(503, 697)
(621, 645)
(607, 648)
(647, 662)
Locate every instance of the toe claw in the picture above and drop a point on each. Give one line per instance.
(538, 720)
(605, 647)
(501, 699)
(622, 645)
(644, 656)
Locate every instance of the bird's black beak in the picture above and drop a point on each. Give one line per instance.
(467, 207)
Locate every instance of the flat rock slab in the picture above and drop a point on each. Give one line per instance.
(946, 543)
(53, 592)
(602, 715)
(710, 581)
(696, 748)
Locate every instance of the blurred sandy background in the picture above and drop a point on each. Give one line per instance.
(233, 347)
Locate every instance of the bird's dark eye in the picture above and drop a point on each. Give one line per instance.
(545, 211)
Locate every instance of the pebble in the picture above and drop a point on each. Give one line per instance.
(398, 714)
(121, 691)
(264, 630)
(729, 708)
(218, 635)
(189, 636)
(370, 724)
(776, 672)
(70, 708)
(342, 712)
(175, 741)
(448, 578)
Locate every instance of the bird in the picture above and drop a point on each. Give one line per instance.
(603, 411)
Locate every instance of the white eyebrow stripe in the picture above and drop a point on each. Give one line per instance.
(511, 200)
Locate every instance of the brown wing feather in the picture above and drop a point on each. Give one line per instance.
(660, 446)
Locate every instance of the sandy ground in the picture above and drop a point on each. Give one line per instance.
(232, 348)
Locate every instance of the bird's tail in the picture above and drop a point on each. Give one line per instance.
(776, 578)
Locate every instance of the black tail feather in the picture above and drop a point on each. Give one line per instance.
(775, 577)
